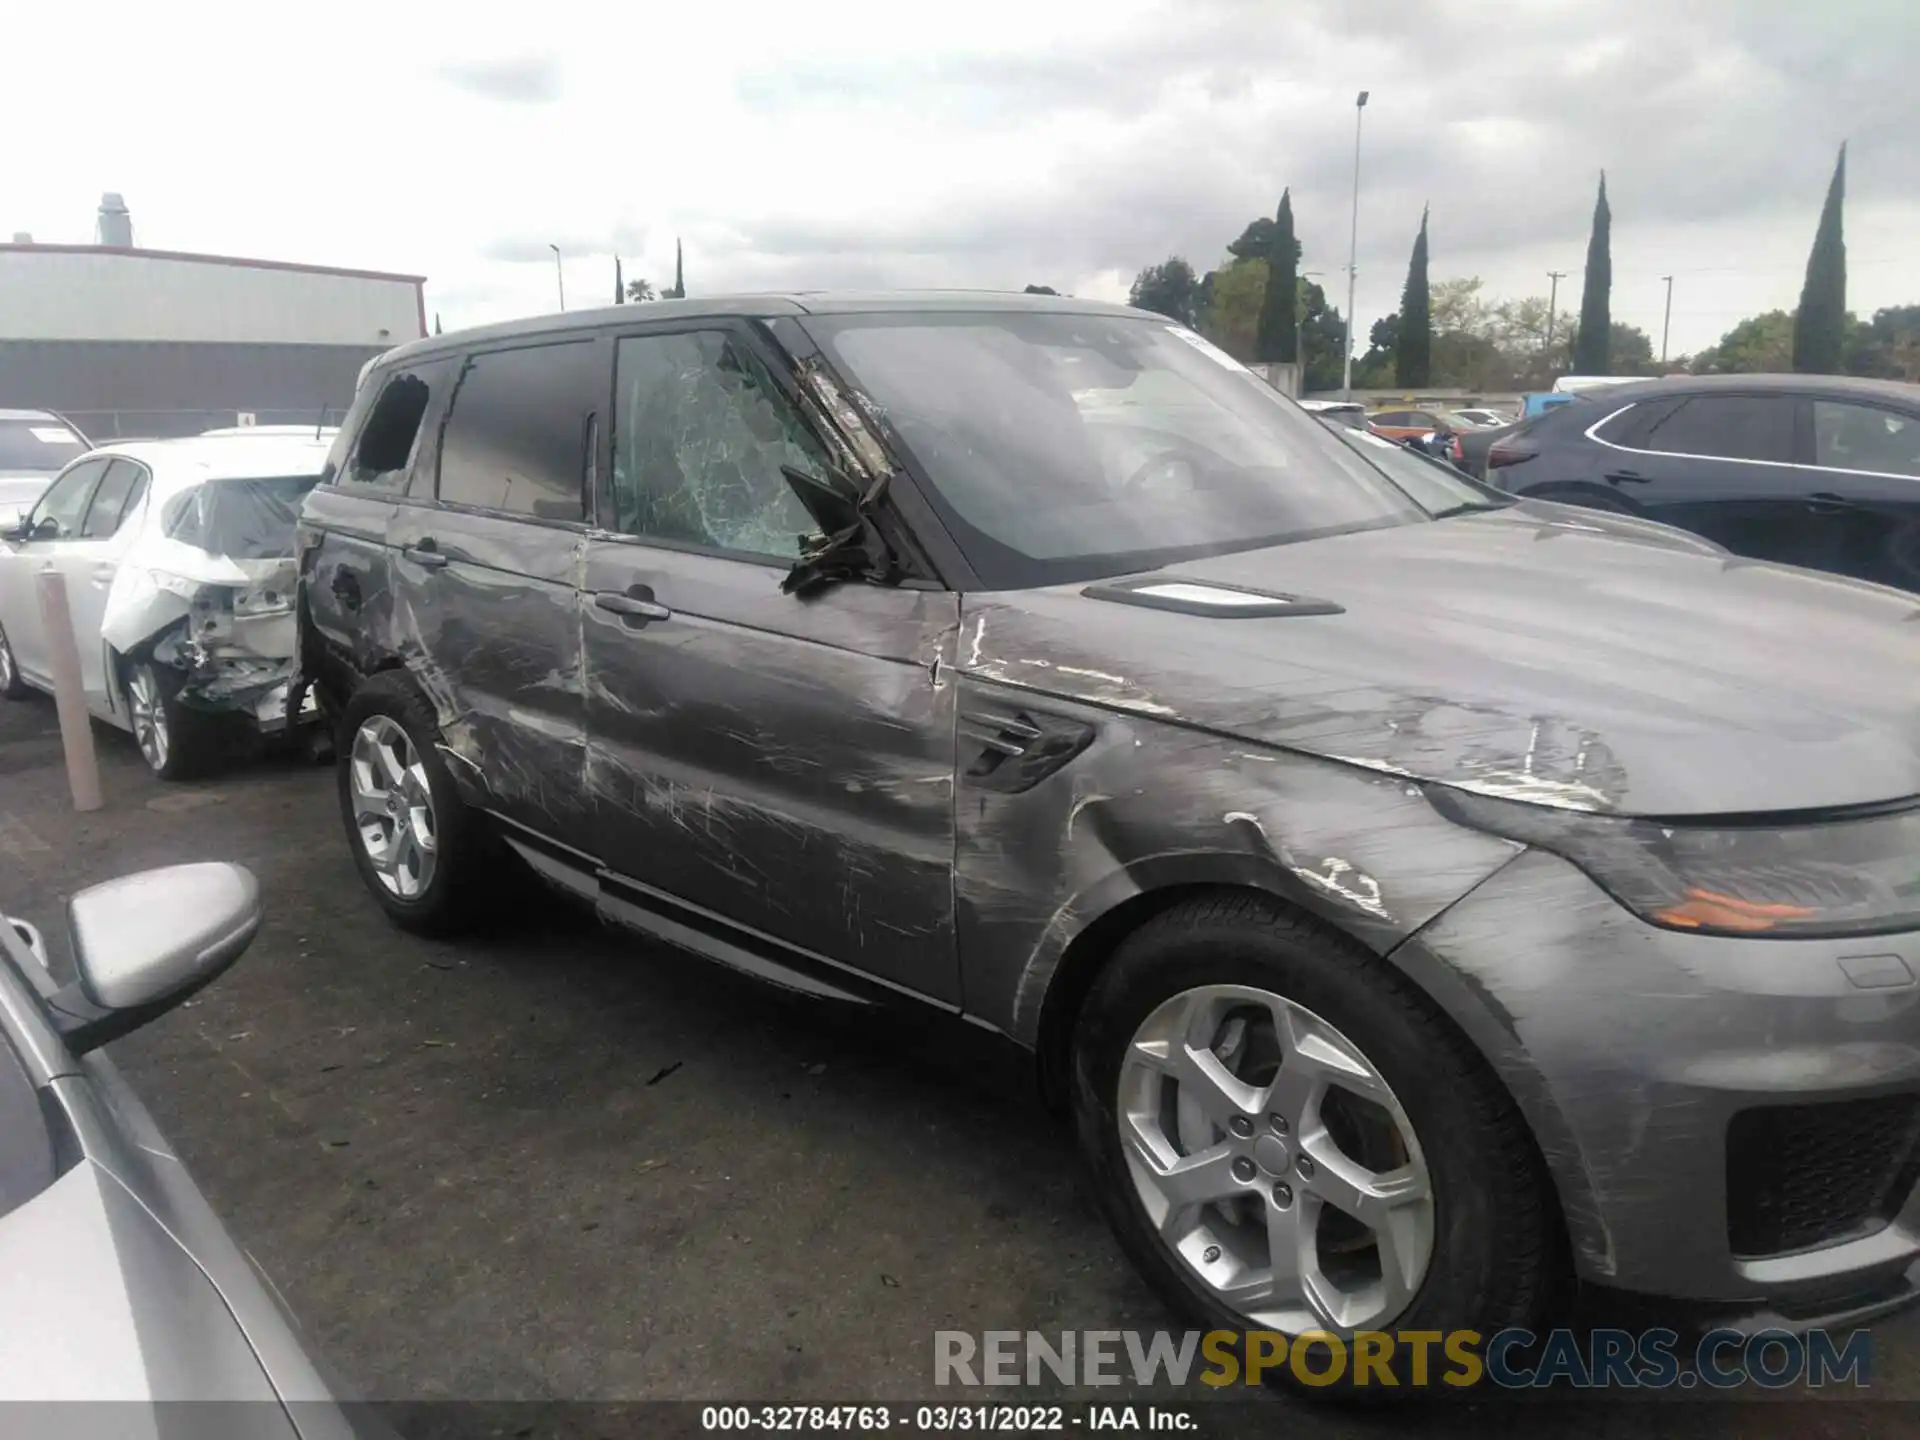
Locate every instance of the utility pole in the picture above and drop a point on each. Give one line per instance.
(1353, 249)
(559, 275)
(1667, 323)
(1553, 306)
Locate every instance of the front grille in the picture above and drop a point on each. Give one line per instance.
(1805, 1175)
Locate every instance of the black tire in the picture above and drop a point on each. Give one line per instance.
(190, 737)
(465, 854)
(1498, 1256)
(12, 687)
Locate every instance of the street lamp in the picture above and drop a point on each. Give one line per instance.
(559, 275)
(1667, 323)
(1353, 248)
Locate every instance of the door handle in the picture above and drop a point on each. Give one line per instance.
(103, 574)
(1825, 502)
(631, 606)
(426, 554)
(1627, 477)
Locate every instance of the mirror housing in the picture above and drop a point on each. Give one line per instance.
(145, 942)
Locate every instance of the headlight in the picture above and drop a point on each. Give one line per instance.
(1857, 875)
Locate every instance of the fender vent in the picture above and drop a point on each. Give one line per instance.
(1015, 751)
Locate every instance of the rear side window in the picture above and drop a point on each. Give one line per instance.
(384, 451)
(114, 499)
(1864, 437)
(1727, 427)
(516, 439)
(65, 503)
(241, 519)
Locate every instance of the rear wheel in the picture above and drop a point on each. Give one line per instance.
(421, 851)
(1286, 1136)
(11, 685)
(173, 739)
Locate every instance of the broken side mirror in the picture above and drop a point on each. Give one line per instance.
(145, 942)
(849, 545)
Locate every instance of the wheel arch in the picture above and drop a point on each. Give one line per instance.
(1472, 1016)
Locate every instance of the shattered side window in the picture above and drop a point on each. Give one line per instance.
(241, 519)
(700, 435)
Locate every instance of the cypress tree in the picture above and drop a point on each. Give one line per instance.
(1413, 345)
(1819, 330)
(1596, 318)
(1277, 340)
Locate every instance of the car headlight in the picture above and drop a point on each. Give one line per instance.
(1854, 875)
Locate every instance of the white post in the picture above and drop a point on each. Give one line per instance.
(69, 691)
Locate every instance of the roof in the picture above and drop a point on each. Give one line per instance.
(766, 306)
(199, 458)
(1836, 385)
(30, 415)
(134, 253)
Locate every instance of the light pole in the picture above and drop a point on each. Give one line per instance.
(1666, 324)
(559, 275)
(1553, 305)
(1353, 249)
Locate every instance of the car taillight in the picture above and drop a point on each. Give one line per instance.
(1511, 451)
(1457, 451)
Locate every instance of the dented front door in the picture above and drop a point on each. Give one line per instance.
(784, 765)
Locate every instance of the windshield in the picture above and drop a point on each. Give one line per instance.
(38, 445)
(241, 519)
(1069, 447)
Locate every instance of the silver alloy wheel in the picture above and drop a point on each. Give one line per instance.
(1275, 1162)
(393, 806)
(149, 713)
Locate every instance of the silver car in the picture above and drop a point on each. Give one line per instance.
(121, 1284)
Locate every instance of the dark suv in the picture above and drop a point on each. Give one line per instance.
(1416, 897)
(1814, 470)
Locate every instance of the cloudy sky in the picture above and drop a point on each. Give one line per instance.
(986, 143)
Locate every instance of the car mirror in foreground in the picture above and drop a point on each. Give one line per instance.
(145, 942)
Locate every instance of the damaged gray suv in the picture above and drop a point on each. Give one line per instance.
(1419, 899)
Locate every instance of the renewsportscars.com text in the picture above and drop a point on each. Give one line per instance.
(1510, 1359)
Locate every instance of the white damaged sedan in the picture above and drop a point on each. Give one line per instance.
(178, 559)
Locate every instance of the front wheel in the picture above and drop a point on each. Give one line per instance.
(419, 848)
(11, 685)
(1287, 1137)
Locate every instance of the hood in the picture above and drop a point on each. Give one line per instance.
(1537, 652)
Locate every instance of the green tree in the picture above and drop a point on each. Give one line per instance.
(1278, 337)
(1323, 339)
(1888, 346)
(639, 290)
(1596, 328)
(1040, 290)
(1236, 294)
(1631, 350)
(1820, 331)
(1170, 289)
(1758, 345)
(1413, 345)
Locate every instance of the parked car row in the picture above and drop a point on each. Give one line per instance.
(1406, 890)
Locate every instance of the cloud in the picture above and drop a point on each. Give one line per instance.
(519, 79)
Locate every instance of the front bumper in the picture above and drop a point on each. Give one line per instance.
(1632, 1050)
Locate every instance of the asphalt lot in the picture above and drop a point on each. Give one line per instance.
(553, 1164)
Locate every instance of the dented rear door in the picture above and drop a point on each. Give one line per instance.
(485, 573)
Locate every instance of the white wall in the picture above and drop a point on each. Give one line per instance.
(106, 295)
